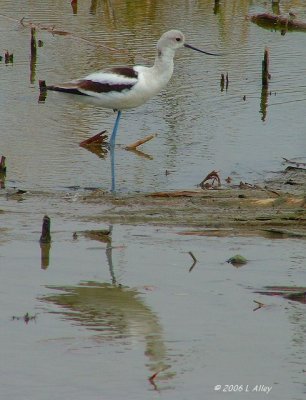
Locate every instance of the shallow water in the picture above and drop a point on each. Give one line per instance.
(109, 315)
(199, 127)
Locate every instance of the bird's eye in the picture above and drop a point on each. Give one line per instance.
(178, 39)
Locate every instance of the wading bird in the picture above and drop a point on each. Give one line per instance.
(121, 88)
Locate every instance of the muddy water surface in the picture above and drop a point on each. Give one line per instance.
(109, 316)
(95, 318)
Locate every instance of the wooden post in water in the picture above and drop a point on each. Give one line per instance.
(45, 230)
(45, 242)
(276, 7)
(33, 55)
(265, 84)
(216, 6)
(2, 172)
(222, 80)
(2, 165)
(265, 69)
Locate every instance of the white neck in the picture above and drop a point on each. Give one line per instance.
(163, 65)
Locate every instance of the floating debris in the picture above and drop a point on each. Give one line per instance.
(26, 318)
(98, 139)
(101, 235)
(278, 22)
(224, 81)
(214, 177)
(296, 163)
(259, 305)
(293, 293)
(139, 142)
(237, 260)
(97, 144)
(42, 91)
(15, 194)
(285, 233)
(8, 57)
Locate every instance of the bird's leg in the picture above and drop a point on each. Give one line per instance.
(112, 157)
(112, 152)
(113, 136)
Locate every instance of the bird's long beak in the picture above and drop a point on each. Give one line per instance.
(201, 51)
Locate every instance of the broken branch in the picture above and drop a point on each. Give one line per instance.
(194, 260)
(139, 142)
(214, 177)
(281, 22)
(99, 138)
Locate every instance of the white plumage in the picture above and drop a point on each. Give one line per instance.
(121, 88)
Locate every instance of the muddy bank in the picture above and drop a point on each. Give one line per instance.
(276, 207)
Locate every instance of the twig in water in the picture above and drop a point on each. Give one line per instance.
(99, 138)
(194, 261)
(139, 142)
(259, 305)
(152, 378)
(51, 29)
(298, 164)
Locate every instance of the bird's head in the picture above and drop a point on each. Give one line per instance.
(174, 40)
